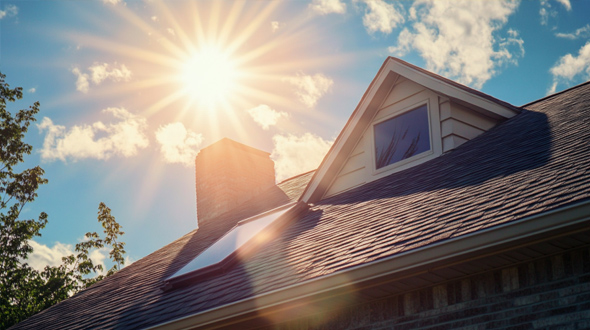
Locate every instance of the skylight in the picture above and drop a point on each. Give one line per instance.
(242, 236)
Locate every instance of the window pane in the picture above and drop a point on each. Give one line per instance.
(230, 242)
(402, 137)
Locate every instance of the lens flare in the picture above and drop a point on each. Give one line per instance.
(205, 64)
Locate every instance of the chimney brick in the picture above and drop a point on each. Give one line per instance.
(227, 174)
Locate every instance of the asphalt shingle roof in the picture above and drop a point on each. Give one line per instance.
(537, 161)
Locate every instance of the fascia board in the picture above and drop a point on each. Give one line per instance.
(503, 236)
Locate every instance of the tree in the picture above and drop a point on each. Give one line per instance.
(78, 266)
(25, 291)
(16, 190)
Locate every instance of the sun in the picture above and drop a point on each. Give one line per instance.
(206, 64)
(209, 76)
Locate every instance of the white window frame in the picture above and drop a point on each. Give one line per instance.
(427, 98)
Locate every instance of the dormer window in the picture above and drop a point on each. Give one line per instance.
(401, 137)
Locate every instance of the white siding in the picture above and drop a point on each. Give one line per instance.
(460, 124)
(459, 128)
(403, 89)
(352, 173)
(451, 125)
(452, 142)
(470, 117)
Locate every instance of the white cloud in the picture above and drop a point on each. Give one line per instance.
(309, 89)
(583, 32)
(171, 31)
(324, 7)
(128, 261)
(274, 26)
(458, 39)
(381, 16)
(265, 116)
(112, 2)
(155, 18)
(294, 155)
(99, 72)
(547, 11)
(9, 11)
(44, 255)
(82, 84)
(544, 13)
(98, 140)
(177, 144)
(569, 66)
(32, 90)
(566, 4)
(98, 257)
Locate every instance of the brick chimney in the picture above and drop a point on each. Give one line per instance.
(227, 174)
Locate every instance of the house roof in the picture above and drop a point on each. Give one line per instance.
(533, 163)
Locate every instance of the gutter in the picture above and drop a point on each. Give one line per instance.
(519, 232)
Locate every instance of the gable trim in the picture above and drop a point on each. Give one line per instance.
(360, 118)
(454, 90)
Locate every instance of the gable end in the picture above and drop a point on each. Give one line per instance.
(455, 114)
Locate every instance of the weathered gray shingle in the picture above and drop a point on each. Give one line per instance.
(535, 162)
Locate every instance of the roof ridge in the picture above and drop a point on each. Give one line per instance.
(555, 94)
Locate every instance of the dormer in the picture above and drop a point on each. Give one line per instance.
(406, 117)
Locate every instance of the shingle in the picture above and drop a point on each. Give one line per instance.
(537, 161)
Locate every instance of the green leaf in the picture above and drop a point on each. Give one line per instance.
(23, 290)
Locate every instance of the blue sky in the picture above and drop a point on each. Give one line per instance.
(131, 90)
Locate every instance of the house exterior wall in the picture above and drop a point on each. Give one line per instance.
(452, 124)
(547, 293)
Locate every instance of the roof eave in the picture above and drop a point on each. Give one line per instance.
(512, 234)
